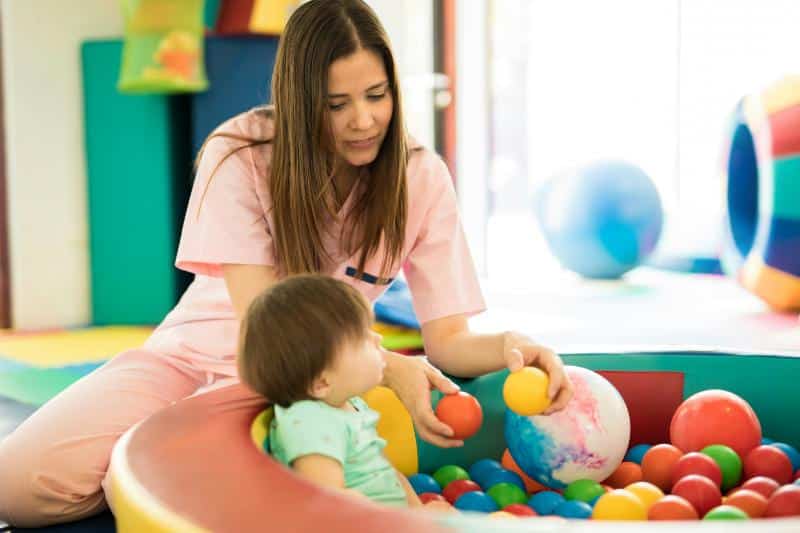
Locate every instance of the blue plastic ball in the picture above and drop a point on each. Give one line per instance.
(636, 453)
(422, 483)
(602, 219)
(476, 501)
(573, 509)
(791, 452)
(545, 502)
(480, 470)
(765, 440)
(502, 476)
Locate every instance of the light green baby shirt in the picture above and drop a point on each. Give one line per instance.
(314, 427)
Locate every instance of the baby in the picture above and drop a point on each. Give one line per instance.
(307, 346)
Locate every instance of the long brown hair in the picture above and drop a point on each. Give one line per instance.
(301, 181)
(292, 332)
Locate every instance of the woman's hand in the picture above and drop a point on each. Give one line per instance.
(412, 379)
(520, 351)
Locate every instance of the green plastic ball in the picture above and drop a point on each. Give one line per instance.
(584, 490)
(504, 494)
(728, 461)
(726, 512)
(449, 473)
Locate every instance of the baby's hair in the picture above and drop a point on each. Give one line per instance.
(292, 332)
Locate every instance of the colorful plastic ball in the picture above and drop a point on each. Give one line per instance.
(784, 502)
(791, 452)
(584, 490)
(715, 417)
(531, 485)
(476, 501)
(585, 440)
(749, 501)
(619, 504)
(447, 474)
(525, 391)
(503, 476)
(505, 494)
(545, 502)
(519, 509)
(458, 487)
(697, 463)
(636, 453)
(647, 493)
(726, 512)
(672, 507)
(768, 461)
(422, 483)
(426, 497)
(700, 491)
(658, 464)
(729, 463)
(762, 485)
(574, 509)
(462, 412)
(481, 469)
(625, 474)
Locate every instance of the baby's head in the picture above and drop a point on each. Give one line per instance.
(310, 337)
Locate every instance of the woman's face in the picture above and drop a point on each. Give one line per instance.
(360, 106)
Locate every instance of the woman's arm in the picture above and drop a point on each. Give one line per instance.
(245, 282)
(453, 348)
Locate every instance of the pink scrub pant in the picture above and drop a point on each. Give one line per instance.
(53, 467)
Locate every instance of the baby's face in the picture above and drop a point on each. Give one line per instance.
(358, 367)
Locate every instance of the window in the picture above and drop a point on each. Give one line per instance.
(569, 81)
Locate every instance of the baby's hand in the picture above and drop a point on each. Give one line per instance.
(439, 506)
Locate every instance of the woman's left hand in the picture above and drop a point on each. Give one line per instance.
(412, 379)
(520, 351)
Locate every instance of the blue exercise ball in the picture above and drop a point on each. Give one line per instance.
(600, 220)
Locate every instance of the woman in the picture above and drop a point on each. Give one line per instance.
(325, 181)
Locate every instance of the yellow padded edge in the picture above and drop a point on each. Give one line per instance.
(270, 16)
(781, 95)
(396, 428)
(135, 509)
(779, 289)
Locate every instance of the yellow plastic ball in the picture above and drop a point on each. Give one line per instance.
(525, 391)
(619, 505)
(647, 493)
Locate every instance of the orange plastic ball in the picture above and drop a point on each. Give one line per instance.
(768, 461)
(626, 473)
(462, 412)
(749, 501)
(658, 465)
(531, 485)
(672, 507)
(761, 484)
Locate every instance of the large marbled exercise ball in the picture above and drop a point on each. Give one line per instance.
(585, 440)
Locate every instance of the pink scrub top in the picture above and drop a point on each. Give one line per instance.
(231, 223)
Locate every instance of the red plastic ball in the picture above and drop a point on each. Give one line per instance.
(519, 509)
(697, 463)
(700, 491)
(760, 484)
(770, 462)
(456, 488)
(715, 417)
(672, 507)
(784, 502)
(462, 412)
(658, 464)
(426, 497)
